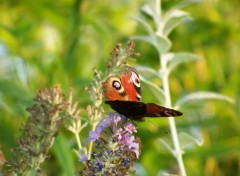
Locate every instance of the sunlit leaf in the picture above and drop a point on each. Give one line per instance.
(203, 96)
(175, 16)
(146, 8)
(146, 26)
(175, 21)
(151, 10)
(161, 43)
(147, 69)
(145, 38)
(175, 59)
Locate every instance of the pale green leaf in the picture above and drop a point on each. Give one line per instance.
(146, 8)
(176, 14)
(150, 9)
(172, 23)
(175, 17)
(175, 59)
(147, 69)
(203, 96)
(146, 26)
(162, 44)
(186, 140)
(158, 92)
(145, 38)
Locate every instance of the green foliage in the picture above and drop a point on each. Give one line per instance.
(43, 43)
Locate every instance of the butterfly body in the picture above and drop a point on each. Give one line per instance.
(123, 94)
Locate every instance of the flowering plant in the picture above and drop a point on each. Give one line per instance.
(116, 147)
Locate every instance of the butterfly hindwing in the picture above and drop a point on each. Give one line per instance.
(154, 110)
(129, 109)
(137, 110)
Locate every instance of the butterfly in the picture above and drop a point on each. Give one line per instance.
(123, 93)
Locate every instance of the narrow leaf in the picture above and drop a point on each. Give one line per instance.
(146, 8)
(175, 59)
(204, 96)
(145, 38)
(158, 92)
(150, 9)
(171, 24)
(175, 16)
(162, 44)
(146, 26)
(147, 69)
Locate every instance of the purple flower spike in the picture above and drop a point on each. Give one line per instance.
(114, 141)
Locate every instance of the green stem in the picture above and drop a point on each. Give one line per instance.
(78, 140)
(91, 143)
(165, 74)
(90, 150)
(94, 124)
(174, 135)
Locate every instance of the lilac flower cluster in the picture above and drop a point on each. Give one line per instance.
(116, 148)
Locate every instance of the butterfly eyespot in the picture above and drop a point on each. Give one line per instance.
(135, 79)
(116, 85)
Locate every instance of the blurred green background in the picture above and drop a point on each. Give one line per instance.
(43, 43)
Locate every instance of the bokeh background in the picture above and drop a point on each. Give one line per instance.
(44, 43)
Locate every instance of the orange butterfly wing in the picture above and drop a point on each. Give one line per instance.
(131, 83)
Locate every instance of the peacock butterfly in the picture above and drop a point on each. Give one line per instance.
(123, 94)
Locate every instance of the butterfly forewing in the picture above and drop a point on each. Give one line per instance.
(131, 83)
(131, 109)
